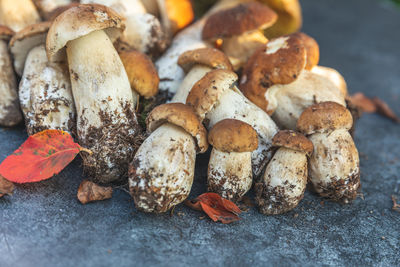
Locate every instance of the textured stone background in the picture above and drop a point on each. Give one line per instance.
(44, 225)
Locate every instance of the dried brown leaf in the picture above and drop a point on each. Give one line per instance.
(396, 206)
(6, 187)
(383, 109)
(363, 102)
(90, 192)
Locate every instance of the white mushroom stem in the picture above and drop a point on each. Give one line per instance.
(284, 181)
(233, 105)
(334, 165)
(240, 48)
(193, 76)
(162, 171)
(17, 14)
(10, 114)
(230, 173)
(46, 6)
(45, 94)
(105, 104)
(288, 101)
(171, 75)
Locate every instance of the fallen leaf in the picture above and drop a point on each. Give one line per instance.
(363, 102)
(383, 109)
(216, 207)
(40, 157)
(90, 192)
(396, 206)
(6, 187)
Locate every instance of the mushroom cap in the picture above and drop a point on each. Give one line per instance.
(324, 117)
(207, 91)
(52, 15)
(210, 57)
(238, 20)
(6, 33)
(280, 61)
(231, 135)
(312, 48)
(141, 72)
(181, 115)
(26, 39)
(79, 21)
(293, 140)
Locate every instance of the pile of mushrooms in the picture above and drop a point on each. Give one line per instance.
(241, 78)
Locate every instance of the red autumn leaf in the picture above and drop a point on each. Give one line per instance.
(40, 157)
(216, 207)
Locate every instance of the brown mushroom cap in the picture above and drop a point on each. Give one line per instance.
(79, 21)
(210, 57)
(280, 61)
(293, 140)
(238, 20)
(231, 135)
(6, 33)
(181, 115)
(52, 15)
(207, 91)
(26, 39)
(324, 117)
(312, 48)
(141, 72)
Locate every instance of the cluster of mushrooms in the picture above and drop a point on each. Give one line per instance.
(241, 78)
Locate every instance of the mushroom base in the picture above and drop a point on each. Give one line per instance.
(161, 173)
(229, 174)
(10, 114)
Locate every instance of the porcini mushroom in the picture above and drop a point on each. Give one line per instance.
(334, 169)
(241, 30)
(143, 31)
(284, 182)
(215, 97)
(196, 63)
(10, 114)
(45, 89)
(229, 169)
(277, 79)
(46, 7)
(17, 14)
(161, 173)
(105, 103)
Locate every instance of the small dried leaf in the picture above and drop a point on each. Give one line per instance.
(383, 109)
(216, 207)
(363, 102)
(90, 192)
(40, 157)
(396, 206)
(6, 187)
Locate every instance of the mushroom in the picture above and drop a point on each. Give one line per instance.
(45, 89)
(334, 76)
(277, 79)
(18, 14)
(289, 17)
(105, 103)
(189, 38)
(334, 166)
(46, 7)
(10, 114)
(161, 173)
(141, 72)
(284, 182)
(143, 31)
(215, 97)
(240, 30)
(229, 169)
(196, 63)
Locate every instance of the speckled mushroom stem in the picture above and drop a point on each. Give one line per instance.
(106, 119)
(45, 94)
(10, 114)
(17, 14)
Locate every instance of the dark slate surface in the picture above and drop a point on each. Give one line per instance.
(44, 225)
